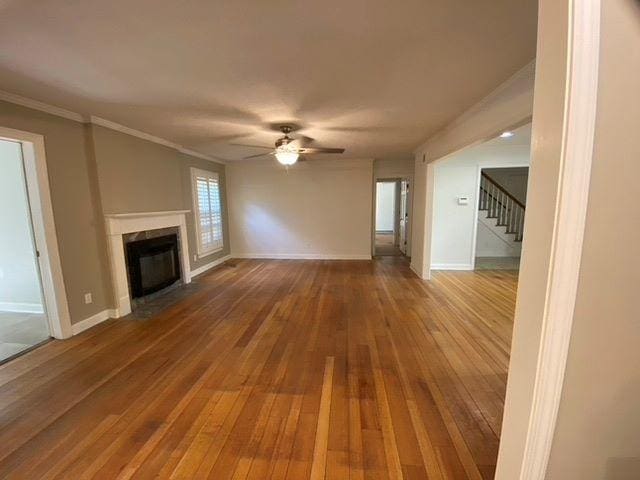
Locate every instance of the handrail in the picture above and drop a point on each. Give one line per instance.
(503, 190)
(501, 205)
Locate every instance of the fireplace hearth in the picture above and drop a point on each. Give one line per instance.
(153, 264)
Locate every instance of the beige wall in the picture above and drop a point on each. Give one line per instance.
(76, 205)
(393, 168)
(93, 170)
(320, 208)
(598, 430)
(136, 175)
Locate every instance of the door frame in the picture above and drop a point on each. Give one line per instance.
(407, 204)
(396, 212)
(44, 231)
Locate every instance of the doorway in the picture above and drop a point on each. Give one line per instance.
(478, 204)
(502, 198)
(23, 314)
(391, 217)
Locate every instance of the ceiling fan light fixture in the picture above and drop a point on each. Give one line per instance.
(287, 157)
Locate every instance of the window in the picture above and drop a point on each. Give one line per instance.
(207, 210)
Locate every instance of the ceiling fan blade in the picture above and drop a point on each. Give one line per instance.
(320, 150)
(250, 146)
(258, 155)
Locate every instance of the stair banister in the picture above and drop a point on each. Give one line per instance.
(502, 206)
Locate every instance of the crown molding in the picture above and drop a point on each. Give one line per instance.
(43, 107)
(94, 120)
(193, 153)
(103, 122)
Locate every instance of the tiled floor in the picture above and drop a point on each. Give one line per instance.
(20, 331)
(152, 305)
(497, 263)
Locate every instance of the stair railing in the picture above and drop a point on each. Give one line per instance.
(501, 205)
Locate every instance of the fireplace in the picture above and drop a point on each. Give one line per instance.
(125, 228)
(153, 264)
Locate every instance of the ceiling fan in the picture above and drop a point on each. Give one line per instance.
(287, 149)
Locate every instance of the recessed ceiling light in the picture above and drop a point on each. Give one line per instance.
(506, 134)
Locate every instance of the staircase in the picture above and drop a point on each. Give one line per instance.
(500, 205)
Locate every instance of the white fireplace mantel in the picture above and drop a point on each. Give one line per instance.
(119, 224)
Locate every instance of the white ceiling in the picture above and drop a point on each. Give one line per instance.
(521, 136)
(373, 76)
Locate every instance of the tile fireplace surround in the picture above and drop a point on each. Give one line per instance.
(120, 224)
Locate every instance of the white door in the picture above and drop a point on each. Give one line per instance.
(404, 215)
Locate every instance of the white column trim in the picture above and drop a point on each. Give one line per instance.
(569, 225)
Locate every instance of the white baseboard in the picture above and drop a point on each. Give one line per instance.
(21, 307)
(92, 321)
(301, 256)
(451, 266)
(100, 317)
(208, 266)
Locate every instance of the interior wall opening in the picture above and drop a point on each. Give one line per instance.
(23, 317)
(479, 204)
(502, 200)
(391, 217)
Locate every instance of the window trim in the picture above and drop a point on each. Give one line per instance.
(199, 172)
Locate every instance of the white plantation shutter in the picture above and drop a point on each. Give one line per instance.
(208, 210)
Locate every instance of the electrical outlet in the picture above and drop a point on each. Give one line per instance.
(88, 298)
(195, 257)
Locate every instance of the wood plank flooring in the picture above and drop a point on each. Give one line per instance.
(274, 369)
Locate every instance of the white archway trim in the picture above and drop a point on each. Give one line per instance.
(35, 165)
(569, 225)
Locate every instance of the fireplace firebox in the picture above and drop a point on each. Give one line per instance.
(153, 264)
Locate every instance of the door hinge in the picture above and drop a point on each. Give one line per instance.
(38, 253)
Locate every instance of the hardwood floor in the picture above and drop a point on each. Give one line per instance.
(384, 247)
(274, 369)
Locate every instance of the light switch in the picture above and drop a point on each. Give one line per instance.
(463, 200)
